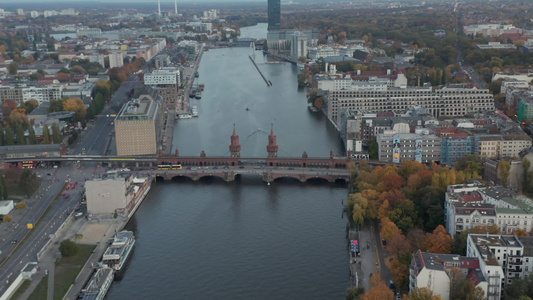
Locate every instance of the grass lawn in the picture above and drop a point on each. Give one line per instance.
(22, 288)
(41, 291)
(68, 268)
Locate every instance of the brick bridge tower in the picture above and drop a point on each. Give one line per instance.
(272, 147)
(235, 147)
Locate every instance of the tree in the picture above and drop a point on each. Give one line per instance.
(2, 142)
(400, 274)
(31, 105)
(56, 134)
(302, 59)
(520, 288)
(13, 68)
(21, 139)
(526, 164)
(422, 294)
(46, 135)
(378, 289)
(55, 105)
(504, 168)
(388, 229)
(69, 248)
(470, 292)
(76, 105)
(397, 244)
(354, 293)
(28, 182)
(5, 191)
(373, 149)
(32, 137)
(78, 236)
(8, 218)
(439, 241)
(21, 205)
(10, 136)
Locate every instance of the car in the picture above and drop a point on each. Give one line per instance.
(14, 241)
(72, 187)
(291, 168)
(49, 174)
(384, 242)
(215, 167)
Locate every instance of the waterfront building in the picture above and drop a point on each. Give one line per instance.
(434, 271)
(502, 258)
(135, 127)
(274, 15)
(441, 101)
(166, 81)
(421, 146)
(115, 193)
(299, 45)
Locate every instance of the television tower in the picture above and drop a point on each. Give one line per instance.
(176, 7)
(159, 7)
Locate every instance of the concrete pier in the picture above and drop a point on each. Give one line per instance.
(260, 73)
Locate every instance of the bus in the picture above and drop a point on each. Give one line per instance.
(176, 167)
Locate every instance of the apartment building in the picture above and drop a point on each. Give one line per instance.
(135, 127)
(444, 101)
(11, 93)
(166, 81)
(465, 208)
(502, 258)
(420, 146)
(434, 271)
(500, 146)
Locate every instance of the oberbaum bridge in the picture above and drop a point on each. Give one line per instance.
(304, 168)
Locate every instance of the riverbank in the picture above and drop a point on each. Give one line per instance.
(84, 232)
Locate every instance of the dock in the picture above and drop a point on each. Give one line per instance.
(260, 73)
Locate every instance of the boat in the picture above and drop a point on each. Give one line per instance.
(184, 116)
(98, 284)
(117, 253)
(201, 86)
(198, 95)
(194, 111)
(196, 75)
(192, 94)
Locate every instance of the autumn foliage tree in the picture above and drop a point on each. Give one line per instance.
(378, 289)
(439, 241)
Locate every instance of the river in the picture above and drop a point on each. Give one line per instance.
(242, 240)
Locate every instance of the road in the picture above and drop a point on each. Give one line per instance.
(94, 140)
(50, 187)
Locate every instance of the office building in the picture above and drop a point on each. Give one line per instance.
(166, 81)
(135, 127)
(274, 15)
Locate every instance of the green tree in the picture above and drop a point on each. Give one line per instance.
(2, 142)
(30, 105)
(32, 137)
(46, 135)
(526, 164)
(354, 293)
(56, 134)
(28, 182)
(13, 68)
(470, 292)
(21, 139)
(373, 149)
(520, 288)
(10, 136)
(69, 248)
(55, 105)
(504, 168)
(5, 188)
